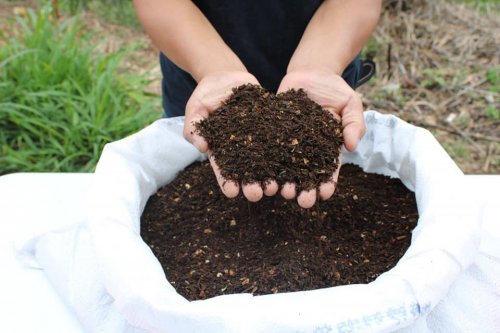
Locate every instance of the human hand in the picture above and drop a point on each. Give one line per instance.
(333, 94)
(210, 92)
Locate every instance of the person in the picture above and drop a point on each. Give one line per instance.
(209, 47)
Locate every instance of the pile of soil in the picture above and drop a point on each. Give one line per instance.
(256, 136)
(210, 245)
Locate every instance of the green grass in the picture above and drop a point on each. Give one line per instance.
(120, 12)
(483, 5)
(60, 100)
(493, 85)
(371, 49)
(116, 11)
(434, 78)
(492, 112)
(457, 150)
(493, 77)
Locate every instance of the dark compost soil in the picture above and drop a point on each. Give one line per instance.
(209, 245)
(256, 136)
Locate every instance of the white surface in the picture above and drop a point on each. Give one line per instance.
(34, 203)
(473, 301)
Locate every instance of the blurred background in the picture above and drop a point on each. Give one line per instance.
(76, 74)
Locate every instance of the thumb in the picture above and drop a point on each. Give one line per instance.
(195, 112)
(293, 80)
(353, 122)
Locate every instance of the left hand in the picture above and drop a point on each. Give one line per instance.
(333, 94)
(208, 95)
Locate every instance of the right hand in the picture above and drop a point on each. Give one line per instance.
(329, 90)
(208, 95)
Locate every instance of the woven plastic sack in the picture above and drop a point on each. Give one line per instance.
(115, 284)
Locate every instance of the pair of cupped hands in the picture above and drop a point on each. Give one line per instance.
(327, 89)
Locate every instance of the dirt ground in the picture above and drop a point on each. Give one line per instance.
(438, 66)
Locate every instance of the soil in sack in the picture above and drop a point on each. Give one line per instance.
(210, 245)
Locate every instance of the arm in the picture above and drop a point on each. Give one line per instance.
(185, 36)
(333, 37)
(181, 31)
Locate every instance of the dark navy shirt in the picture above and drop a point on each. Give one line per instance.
(264, 35)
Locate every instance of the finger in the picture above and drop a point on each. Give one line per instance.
(271, 188)
(295, 80)
(353, 122)
(253, 192)
(335, 114)
(228, 187)
(197, 140)
(194, 116)
(327, 189)
(288, 191)
(306, 199)
(285, 85)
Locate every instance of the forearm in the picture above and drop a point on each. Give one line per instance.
(335, 35)
(183, 33)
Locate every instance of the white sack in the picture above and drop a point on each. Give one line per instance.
(123, 284)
